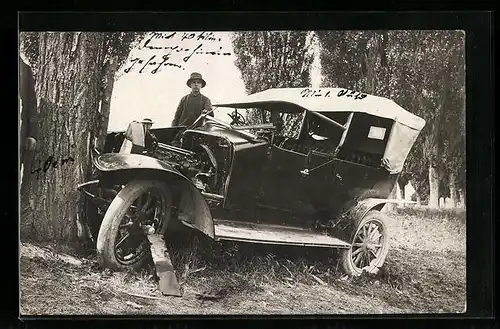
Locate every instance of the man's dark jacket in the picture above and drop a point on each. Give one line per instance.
(190, 108)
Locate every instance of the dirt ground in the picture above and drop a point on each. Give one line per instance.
(425, 272)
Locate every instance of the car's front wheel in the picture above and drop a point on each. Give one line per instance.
(369, 245)
(140, 208)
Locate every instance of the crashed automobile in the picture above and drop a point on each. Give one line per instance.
(321, 180)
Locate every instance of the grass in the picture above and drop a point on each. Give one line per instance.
(455, 215)
(429, 229)
(424, 272)
(252, 265)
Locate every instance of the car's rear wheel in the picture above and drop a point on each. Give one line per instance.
(141, 207)
(369, 245)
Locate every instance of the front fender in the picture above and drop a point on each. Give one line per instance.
(115, 167)
(117, 161)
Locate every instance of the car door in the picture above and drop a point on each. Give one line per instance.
(283, 182)
(249, 164)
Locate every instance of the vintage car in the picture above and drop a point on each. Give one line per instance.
(321, 183)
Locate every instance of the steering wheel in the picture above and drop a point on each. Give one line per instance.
(237, 118)
(203, 114)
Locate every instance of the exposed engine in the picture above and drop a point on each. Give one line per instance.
(203, 158)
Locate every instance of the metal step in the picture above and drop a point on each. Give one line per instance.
(274, 234)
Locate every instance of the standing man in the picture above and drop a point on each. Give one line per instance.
(194, 104)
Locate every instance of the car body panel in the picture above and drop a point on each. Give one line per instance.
(249, 163)
(283, 181)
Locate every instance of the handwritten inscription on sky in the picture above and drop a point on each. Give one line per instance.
(173, 50)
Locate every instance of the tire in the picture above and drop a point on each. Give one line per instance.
(349, 257)
(109, 228)
(96, 215)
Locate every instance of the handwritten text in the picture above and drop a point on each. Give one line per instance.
(177, 53)
(203, 36)
(151, 61)
(49, 163)
(351, 93)
(314, 93)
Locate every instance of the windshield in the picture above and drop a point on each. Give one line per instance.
(286, 124)
(232, 116)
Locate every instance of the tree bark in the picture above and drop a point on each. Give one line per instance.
(433, 188)
(68, 83)
(461, 194)
(109, 80)
(371, 63)
(453, 190)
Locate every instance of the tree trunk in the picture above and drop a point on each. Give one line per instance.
(402, 187)
(401, 194)
(461, 194)
(68, 83)
(109, 80)
(453, 190)
(390, 207)
(419, 200)
(436, 141)
(433, 188)
(371, 64)
(419, 188)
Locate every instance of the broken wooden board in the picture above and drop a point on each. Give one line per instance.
(168, 283)
(274, 234)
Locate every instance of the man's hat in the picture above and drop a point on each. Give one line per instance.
(196, 76)
(146, 120)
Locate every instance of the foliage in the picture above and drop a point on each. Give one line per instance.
(275, 59)
(120, 44)
(350, 59)
(28, 44)
(115, 45)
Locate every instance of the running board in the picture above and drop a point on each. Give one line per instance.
(274, 234)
